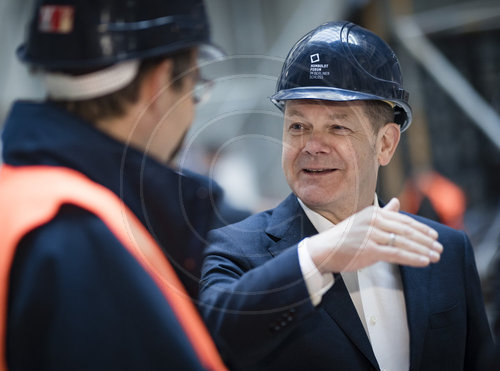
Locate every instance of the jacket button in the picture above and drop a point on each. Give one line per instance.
(274, 327)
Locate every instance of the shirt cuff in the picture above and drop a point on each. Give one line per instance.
(316, 283)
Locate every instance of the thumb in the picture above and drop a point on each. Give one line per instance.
(393, 205)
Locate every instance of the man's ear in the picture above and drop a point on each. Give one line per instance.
(387, 142)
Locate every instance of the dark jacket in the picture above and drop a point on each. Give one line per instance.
(77, 299)
(255, 302)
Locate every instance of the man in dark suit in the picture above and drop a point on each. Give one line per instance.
(329, 280)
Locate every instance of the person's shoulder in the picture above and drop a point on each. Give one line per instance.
(256, 223)
(76, 266)
(73, 236)
(73, 253)
(69, 255)
(287, 209)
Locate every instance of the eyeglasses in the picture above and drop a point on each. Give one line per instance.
(202, 90)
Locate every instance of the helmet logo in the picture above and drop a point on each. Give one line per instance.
(56, 19)
(315, 58)
(316, 70)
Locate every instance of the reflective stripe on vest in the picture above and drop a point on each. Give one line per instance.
(31, 196)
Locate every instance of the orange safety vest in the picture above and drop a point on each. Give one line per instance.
(30, 196)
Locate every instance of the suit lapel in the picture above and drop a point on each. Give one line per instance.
(339, 306)
(288, 226)
(416, 290)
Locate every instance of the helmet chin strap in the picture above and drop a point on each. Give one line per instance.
(91, 85)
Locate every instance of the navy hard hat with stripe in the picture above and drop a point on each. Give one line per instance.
(85, 34)
(341, 61)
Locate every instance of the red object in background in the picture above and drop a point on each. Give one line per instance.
(446, 198)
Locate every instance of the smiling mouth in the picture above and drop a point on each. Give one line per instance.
(318, 171)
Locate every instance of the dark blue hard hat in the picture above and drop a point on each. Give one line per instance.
(341, 61)
(86, 34)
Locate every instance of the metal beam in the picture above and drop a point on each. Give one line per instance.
(470, 16)
(448, 77)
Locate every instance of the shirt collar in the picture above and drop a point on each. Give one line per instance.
(319, 221)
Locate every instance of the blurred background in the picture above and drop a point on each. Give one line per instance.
(448, 164)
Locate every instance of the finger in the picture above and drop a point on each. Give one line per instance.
(392, 240)
(405, 232)
(392, 205)
(402, 257)
(405, 224)
(414, 247)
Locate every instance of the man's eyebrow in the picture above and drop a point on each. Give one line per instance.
(332, 116)
(337, 116)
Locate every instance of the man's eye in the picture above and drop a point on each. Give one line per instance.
(340, 129)
(296, 126)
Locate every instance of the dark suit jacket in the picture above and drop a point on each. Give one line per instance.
(257, 307)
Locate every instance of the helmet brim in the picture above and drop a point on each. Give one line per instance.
(340, 95)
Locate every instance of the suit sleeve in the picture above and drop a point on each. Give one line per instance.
(478, 331)
(250, 302)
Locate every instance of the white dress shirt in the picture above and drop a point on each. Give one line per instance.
(377, 294)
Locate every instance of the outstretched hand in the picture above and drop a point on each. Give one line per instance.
(375, 234)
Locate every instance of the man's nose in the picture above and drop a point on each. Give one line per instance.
(316, 144)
